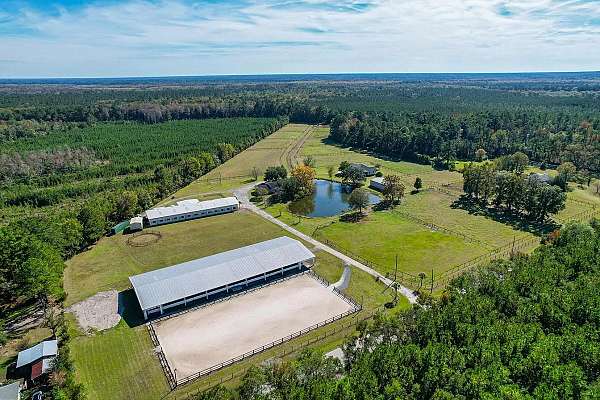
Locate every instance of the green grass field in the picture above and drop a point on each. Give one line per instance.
(112, 260)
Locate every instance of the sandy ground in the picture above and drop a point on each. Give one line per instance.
(100, 311)
(203, 338)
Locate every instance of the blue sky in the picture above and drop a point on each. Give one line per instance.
(72, 38)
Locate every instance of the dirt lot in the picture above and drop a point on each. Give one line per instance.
(203, 338)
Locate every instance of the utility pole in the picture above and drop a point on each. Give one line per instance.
(431, 291)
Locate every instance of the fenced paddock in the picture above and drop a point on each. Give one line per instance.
(207, 339)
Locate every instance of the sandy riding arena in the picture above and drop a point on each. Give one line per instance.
(208, 336)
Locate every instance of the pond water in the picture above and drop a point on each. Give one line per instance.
(328, 199)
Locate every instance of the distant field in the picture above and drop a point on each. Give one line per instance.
(329, 155)
(274, 150)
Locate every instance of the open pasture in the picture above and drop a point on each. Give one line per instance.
(274, 150)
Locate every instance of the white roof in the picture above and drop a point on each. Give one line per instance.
(191, 205)
(43, 349)
(10, 391)
(136, 220)
(204, 274)
(379, 179)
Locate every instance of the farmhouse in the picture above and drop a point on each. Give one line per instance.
(377, 184)
(270, 187)
(190, 209)
(366, 169)
(38, 359)
(224, 272)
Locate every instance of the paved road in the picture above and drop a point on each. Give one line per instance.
(242, 195)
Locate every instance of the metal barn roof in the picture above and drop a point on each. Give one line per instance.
(204, 274)
(43, 349)
(191, 205)
(10, 391)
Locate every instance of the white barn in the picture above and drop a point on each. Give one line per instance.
(191, 209)
(232, 270)
(377, 184)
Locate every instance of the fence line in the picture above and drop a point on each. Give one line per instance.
(404, 276)
(172, 378)
(261, 349)
(441, 228)
(366, 315)
(161, 358)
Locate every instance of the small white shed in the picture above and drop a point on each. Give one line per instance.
(136, 224)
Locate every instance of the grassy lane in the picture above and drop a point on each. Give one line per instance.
(270, 151)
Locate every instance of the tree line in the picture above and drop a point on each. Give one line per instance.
(439, 139)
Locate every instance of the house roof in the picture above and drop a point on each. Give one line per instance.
(44, 349)
(379, 179)
(191, 205)
(545, 178)
(10, 391)
(136, 220)
(204, 274)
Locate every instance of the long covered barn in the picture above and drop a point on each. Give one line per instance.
(198, 279)
(190, 209)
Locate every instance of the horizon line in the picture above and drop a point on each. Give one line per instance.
(296, 74)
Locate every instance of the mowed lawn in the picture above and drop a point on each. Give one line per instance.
(383, 235)
(112, 260)
(119, 364)
(436, 207)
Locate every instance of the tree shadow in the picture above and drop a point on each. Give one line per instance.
(352, 216)
(505, 217)
(129, 308)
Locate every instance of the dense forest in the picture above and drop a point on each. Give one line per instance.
(527, 328)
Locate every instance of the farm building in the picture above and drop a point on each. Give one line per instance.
(232, 270)
(38, 359)
(377, 184)
(190, 209)
(136, 224)
(270, 187)
(541, 178)
(366, 169)
(12, 391)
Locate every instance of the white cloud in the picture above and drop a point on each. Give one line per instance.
(249, 36)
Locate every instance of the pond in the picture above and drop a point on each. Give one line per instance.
(328, 199)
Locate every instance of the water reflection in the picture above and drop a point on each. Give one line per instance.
(328, 199)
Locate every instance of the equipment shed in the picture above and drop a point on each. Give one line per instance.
(198, 279)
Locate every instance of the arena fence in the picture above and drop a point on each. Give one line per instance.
(171, 377)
